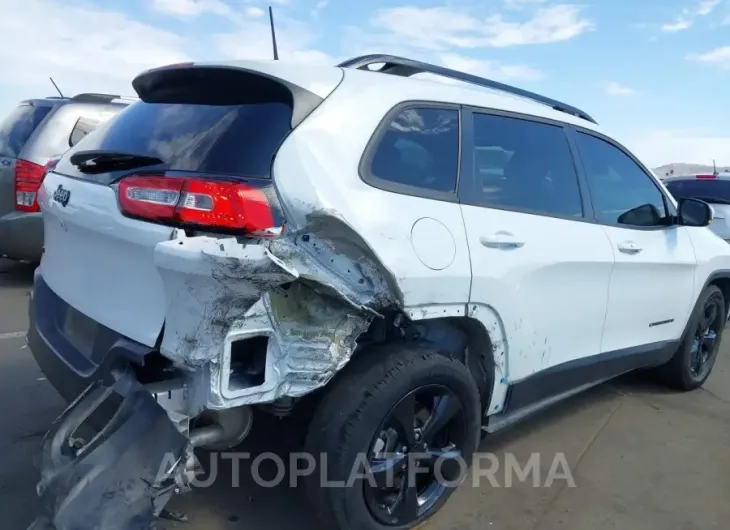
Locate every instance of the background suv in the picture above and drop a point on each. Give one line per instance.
(714, 189)
(35, 132)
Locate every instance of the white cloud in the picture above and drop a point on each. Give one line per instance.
(687, 18)
(719, 56)
(190, 8)
(490, 69)
(319, 6)
(679, 25)
(442, 28)
(519, 4)
(88, 48)
(255, 12)
(666, 146)
(84, 48)
(706, 7)
(616, 89)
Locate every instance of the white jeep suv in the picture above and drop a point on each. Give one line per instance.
(415, 263)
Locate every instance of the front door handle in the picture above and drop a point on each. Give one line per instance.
(629, 247)
(501, 240)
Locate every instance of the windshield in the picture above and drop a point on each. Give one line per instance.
(705, 189)
(18, 126)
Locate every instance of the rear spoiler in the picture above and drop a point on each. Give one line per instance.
(239, 83)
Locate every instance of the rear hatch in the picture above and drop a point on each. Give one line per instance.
(194, 153)
(15, 131)
(711, 189)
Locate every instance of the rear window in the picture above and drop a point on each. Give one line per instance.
(236, 140)
(701, 189)
(420, 149)
(18, 126)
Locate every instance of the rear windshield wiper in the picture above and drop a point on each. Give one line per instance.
(97, 161)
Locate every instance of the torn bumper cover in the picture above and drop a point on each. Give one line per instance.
(119, 477)
(308, 299)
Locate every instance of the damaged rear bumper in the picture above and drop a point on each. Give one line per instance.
(296, 305)
(296, 302)
(120, 474)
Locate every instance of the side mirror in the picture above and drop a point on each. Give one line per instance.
(644, 215)
(82, 127)
(694, 212)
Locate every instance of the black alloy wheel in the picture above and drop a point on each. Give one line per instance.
(416, 454)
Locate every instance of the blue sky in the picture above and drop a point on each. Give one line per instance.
(654, 73)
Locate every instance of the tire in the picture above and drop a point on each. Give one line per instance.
(678, 373)
(351, 415)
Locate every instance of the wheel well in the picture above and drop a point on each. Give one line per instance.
(462, 338)
(724, 285)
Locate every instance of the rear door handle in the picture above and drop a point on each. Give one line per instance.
(629, 247)
(501, 240)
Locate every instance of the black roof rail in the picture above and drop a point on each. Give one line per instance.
(404, 67)
(91, 97)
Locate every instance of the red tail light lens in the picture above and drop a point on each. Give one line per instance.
(195, 202)
(710, 176)
(28, 179)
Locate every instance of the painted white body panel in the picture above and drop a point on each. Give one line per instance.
(317, 169)
(100, 262)
(652, 283)
(550, 292)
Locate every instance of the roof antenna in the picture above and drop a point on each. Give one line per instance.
(56, 86)
(273, 34)
(714, 168)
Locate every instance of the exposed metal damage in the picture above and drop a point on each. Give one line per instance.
(311, 296)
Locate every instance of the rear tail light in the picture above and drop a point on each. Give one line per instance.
(710, 176)
(200, 203)
(28, 180)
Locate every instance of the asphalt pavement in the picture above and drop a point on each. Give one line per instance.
(626, 455)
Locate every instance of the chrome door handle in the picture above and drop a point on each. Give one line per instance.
(501, 240)
(629, 247)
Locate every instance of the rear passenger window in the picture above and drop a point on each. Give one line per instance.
(523, 165)
(419, 148)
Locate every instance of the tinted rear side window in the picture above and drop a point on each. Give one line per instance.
(236, 140)
(419, 148)
(18, 126)
(701, 189)
(522, 165)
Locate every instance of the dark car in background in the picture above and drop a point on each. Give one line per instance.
(714, 189)
(35, 132)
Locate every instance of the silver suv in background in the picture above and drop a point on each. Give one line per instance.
(31, 137)
(714, 189)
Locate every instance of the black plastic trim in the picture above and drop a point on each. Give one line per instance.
(404, 67)
(65, 367)
(364, 168)
(94, 98)
(571, 375)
